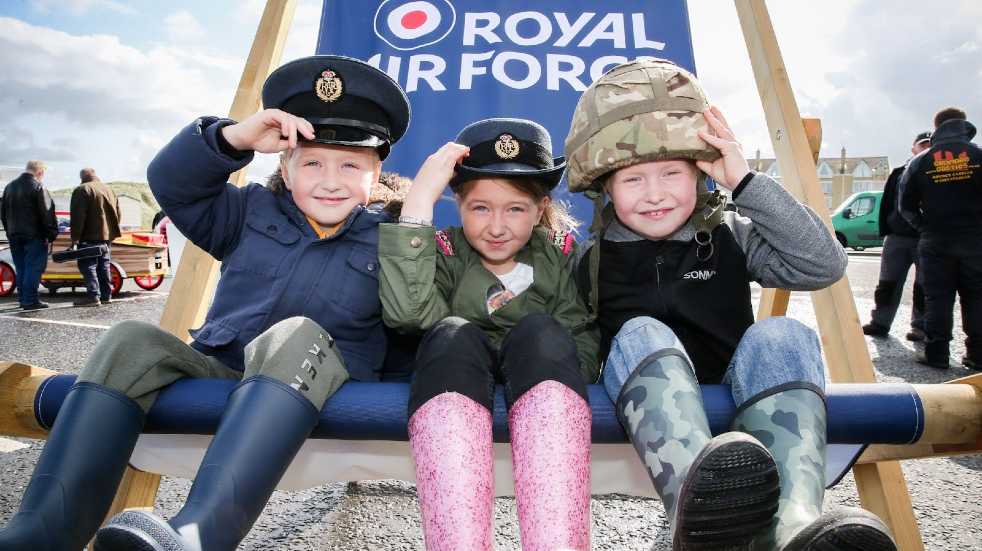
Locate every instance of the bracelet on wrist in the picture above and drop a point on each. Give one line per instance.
(413, 221)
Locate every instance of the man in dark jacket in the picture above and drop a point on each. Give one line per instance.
(28, 216)
(941, 196)
(899, 252)
(95, 223)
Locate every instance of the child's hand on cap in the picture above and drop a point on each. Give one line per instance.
(436, 172)
(268, 131)
(729, 169)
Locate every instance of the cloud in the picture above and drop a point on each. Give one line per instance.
(182, 27)
(79, 7)
(875, 76)
(103, 93)
(18, 145)
(96, 80)
(901, 73)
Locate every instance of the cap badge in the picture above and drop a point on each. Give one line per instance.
(329, 86)
(506, 147)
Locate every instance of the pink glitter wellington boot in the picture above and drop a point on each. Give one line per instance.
(450, 437)
(550, 442)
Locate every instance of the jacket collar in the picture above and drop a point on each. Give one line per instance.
(953, 131)
(360, 218)
(616, 231)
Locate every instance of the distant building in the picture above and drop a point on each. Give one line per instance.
(840, 177)
(131, 213)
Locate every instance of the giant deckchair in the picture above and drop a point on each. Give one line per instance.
(873, 425)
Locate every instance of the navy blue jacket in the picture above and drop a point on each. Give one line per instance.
(274, 266)
(941, 190)
(891, 222)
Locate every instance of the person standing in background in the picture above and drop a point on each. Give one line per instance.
(899, 252)
(95, 222)
(941, 196)
(28, 216)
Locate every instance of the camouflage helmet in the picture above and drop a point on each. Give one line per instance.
(640, 111)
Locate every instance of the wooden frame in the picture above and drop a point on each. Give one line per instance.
(878, 476)
(881, 485)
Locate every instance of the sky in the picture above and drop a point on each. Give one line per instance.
(106, 83)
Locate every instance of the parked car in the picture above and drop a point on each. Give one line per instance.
(857, 220)
(8, 279)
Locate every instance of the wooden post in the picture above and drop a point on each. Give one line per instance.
(197, 273)
(774, 302)
(882, 488)
(18, 387)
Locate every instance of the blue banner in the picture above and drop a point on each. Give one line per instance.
(466, 60)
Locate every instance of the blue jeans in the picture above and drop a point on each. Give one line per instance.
(95, 271)
(30, 258)
(773, 352)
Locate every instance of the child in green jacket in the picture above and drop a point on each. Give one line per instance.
(498, 303)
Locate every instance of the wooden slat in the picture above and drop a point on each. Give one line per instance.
(881, 486)
(774, 302)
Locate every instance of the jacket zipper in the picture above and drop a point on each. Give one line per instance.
(659, 260)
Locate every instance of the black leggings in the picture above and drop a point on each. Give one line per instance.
(457, 356)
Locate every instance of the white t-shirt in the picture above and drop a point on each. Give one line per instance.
(518, 279)
(513, 284)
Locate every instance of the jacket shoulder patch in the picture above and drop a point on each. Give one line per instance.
(443, 243)
(563, 240)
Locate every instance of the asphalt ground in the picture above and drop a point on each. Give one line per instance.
(946, 492)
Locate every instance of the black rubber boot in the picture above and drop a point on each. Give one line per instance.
(845, 529)
(729, 496)
(76, 476)
(262, 428)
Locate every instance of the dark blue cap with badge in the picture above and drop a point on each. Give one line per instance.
(512, 148)
(348, 101)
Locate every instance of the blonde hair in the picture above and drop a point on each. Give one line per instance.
(555, 215)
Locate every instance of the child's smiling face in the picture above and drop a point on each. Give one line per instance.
(328, 181)
(498, 219)
(654, 199)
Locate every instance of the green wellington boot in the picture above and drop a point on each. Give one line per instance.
(792, 425)
(719, 493)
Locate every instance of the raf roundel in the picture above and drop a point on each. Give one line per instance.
(413, 20)
(414, 24)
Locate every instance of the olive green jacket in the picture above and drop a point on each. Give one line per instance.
(421, 284)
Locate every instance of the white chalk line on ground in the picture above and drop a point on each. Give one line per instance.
(142, 295)
(7, 445)
(56, 322)
(865, 259)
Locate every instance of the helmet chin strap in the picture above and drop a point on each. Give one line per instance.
(707, 214)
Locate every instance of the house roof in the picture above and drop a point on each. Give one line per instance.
(879, 165)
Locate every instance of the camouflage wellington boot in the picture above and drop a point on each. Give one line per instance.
(792, 425)
(719, 493)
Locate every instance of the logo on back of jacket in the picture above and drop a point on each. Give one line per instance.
(950, 168)
(701, 275)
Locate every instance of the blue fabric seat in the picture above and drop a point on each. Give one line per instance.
(858, 413)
